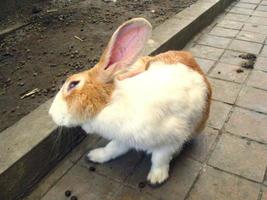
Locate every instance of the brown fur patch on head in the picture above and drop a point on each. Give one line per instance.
(86, 101)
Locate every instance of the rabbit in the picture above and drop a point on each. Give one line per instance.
(153, 104)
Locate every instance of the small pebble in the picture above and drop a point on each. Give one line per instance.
(219, 72)
(53, 65)
(21, 84)
(239, 71)
(74, 198)
(92, 169)
(142, 185)
(67, 193)
(36, 9)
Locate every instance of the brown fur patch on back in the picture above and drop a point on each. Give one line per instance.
(186, 58)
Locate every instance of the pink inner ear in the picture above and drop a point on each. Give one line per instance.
(128, 44)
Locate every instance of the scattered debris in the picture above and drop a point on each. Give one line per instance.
(74, 198)
(142, 185)
(51, 10)
(248, 64)
(248, 56)
(239, 71)
(92, 169)
(53, 65)
(67, 193)
(36, 9)
(250, 60)
(21, 84)
(30, 93)
(76, 37)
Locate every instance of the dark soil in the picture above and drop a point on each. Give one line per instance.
(42, 54)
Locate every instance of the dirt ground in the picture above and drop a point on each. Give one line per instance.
(42, 54)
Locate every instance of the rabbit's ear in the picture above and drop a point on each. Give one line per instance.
(124, 47)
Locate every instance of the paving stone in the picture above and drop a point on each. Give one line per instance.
(50, 180)
(223, 32)
(251, 36)
(251, 1)
(206, 52)
(112, 169)
(261, 63)
(258, 79)
(205, 64)
(243, 11)
(240, 156)
(214, 41)
(249, 47)
(127, 193)
(264, 51)
(182, 175)
(255, 28)
(248, 124)
(218, 114)
(199, 148)
(259, 13)
(257, 20)
(229, 72)
(246, 5)
(236, 17)
(253, 98)
(224, 91)
(264, 2)
(230, 24)
(215, 184)
(84, 184)
(262, 8)
(231, 57)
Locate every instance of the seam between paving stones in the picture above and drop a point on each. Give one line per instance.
(245, 138)
(237, 106)
(236, 175)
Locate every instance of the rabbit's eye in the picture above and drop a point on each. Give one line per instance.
(72, 85)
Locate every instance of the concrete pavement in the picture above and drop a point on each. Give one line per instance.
(227, 161)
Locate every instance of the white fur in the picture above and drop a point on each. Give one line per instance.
(155, 111)
(59, 112)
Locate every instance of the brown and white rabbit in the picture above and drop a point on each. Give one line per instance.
(154, 104)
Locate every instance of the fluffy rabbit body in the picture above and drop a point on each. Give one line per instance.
(154, 104)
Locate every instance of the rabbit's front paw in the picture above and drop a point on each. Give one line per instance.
(158, 175)
(98, 155)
